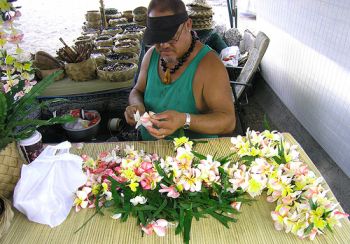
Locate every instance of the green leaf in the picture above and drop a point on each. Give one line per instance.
(161, 207)
(163, 174)
(325, 214)
(308, 229)
(39, 122)
(145, 208)
(116, 198)
(248, 159)
(180, 225)
(312, 205)
(35, 91)
(3, 109)
(141, 218)
(199, 156)
(187, 226)
(226, 159)
(329, 228)
(222, 218)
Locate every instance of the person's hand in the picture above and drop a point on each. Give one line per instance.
(166, 123)
(131, 110)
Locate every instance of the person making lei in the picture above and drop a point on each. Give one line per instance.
(183, 81)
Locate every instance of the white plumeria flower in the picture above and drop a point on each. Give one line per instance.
(143, 120)
(191, 180)
(138, 200)
(112, 157)
(82, 200)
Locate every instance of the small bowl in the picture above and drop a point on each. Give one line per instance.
(84, 134)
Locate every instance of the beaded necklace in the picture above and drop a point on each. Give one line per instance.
(181, 61)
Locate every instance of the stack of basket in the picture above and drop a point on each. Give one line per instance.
(201, 14)
(93, 20)
(121, 64)
(140, 15)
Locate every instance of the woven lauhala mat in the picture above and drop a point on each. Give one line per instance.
(254, 223)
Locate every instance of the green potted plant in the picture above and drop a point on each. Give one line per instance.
(18, 92)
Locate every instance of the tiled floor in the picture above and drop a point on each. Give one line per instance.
(264, 101)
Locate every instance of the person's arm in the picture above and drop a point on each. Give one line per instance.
(212, 81)
(136, 94)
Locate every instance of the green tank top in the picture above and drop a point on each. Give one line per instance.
(177, 96)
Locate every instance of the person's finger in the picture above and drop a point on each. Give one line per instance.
(159, 134)
(129, 120)
(159, 124)
(161, 116)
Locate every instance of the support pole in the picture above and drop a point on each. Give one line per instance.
(104, 23)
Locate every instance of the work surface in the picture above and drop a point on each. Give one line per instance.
(254, 223)
(68, 87)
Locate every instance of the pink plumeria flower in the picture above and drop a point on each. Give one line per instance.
(171, 190)
(9, 84)
(236, 205)
(146, 167)
(15, 37)
(18, 95)
(340, 215)
(143, 120)
(159, 227)
(146, 183)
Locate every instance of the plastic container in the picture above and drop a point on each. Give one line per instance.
(32, 146)
(84, 134)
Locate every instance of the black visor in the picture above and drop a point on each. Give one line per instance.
(162, 29)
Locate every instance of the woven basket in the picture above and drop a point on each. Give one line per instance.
(10, 168)
(6, 215)
(82, 71)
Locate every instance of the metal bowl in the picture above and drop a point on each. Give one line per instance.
(85, 134)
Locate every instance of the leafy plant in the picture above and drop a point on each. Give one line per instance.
(18, 88)
(14, 114)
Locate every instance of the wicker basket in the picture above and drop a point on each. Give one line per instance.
(10, 168)
(6, 215)
(117, 76)
(82, 71)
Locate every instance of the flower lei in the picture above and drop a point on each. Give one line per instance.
(265, 162)
(17, 73)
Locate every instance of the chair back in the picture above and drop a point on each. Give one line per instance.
(256, 54)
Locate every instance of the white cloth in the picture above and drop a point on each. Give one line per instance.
(45, 191)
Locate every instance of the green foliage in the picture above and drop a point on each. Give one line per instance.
(14, 114)
(214, 201)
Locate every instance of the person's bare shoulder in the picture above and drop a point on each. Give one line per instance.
(141, 81)
(211, 69)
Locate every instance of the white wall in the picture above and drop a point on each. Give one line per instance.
(308, 66)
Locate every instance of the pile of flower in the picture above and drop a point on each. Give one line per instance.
(303, 207)
(177, 189)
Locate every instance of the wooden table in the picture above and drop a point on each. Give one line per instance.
(254, 223)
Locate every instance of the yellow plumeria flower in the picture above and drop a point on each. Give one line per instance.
(133, 186)
(96, 189)
(4, 5)
(129, 174)
(178, 142)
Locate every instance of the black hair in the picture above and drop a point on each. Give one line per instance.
(175, 6)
